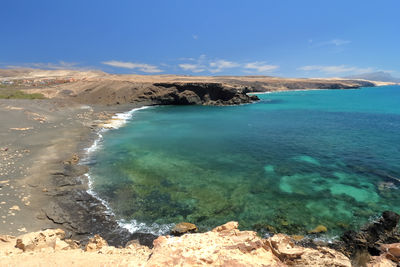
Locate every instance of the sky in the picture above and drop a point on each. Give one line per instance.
(290, 38)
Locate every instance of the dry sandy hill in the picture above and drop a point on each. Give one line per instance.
(96, 87)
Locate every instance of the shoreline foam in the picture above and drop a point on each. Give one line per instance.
(117, 121)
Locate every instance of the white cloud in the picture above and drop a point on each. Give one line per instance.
(220, 65)
(260, 67)
(339, 42)
(132, 65)
(61, 65)
(333, 42)
(192, 67)
(339, 69)
(202, 64)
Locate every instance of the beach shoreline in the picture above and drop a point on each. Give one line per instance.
(48, 188)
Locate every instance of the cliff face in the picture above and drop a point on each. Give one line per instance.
(174, 93)
(204, 93)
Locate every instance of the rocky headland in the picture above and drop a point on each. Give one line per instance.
(95, 87)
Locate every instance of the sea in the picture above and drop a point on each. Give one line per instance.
(288, 163)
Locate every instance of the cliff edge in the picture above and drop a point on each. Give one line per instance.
(225, 245)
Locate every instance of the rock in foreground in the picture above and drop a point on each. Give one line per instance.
(184, 228)
(223, 246)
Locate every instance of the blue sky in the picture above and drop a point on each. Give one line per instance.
(297, 38)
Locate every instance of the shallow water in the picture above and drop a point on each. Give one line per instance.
(288, 163)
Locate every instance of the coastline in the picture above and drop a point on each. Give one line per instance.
(116, 121)
(68, 180)
(50, 190)
(60, 137)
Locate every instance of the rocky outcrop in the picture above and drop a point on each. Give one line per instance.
(184, 228)
(391, 251)
(45, 239)
(285, 249)
(79, 213)
(50, 248)
(372, 240)
(204, 93)
(221, 247)
(225, 245)
(171, 93)
(96, 243)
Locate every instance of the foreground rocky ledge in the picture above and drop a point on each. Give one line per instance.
(223, 246)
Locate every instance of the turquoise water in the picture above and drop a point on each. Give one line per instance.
(288, 163)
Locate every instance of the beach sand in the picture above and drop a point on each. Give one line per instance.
(42, 184)
(36, 135)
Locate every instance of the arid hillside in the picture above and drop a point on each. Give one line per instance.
(96, 87)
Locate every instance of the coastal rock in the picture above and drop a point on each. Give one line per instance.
(284, 248)
(223, 246)
(318, 229)
(391, 251)
(372, 239)
(162, 93)
(6, 238)
(229, 226)
(39, 240)
(382, 231)
(189, 98)
(183, 228)
(214, 94)
(226, 246)
(73, 160)
(321, 257)
(96, 243)
(380, 261)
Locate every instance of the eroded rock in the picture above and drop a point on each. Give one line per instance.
(224, 246)
(39, 240)
(96, 243)
(184, 228)
(229, 226)
(7, 238)
(285, 249)
(380, 261)
(382, 231)
(391, 251)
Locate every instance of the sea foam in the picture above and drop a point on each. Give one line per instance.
(117, 121)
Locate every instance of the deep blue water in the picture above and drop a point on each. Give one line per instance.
(288, 163)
